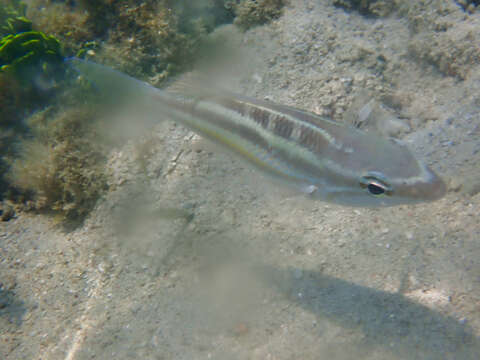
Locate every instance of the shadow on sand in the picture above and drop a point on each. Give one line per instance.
(389, 320)
(11, 308)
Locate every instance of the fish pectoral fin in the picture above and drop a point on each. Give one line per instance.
(368, 114)
(310, 189)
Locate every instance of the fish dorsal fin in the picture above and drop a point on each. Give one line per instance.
(368, 114)
(192, 84)
(196, 84)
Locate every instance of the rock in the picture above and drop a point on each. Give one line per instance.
(7, 213)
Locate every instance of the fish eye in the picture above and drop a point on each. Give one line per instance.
(375, 189)
(376, 185)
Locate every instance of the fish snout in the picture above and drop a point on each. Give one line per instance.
(431, 187)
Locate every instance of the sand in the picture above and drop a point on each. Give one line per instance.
(256, 272)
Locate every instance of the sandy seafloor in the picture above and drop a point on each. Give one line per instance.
(261, 273)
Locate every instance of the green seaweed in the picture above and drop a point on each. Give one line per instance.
(12, 17)
(87, 49)
(22, 49)
(16, 25)
(32, 50)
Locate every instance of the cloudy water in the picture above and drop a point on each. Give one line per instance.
(127, 235)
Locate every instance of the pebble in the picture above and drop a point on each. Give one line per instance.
(7, 214)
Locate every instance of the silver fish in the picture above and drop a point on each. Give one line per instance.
(323, 158)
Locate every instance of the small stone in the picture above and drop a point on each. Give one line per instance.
(7, 214)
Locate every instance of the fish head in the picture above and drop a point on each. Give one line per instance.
(380, 172)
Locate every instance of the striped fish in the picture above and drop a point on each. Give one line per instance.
(320, 157)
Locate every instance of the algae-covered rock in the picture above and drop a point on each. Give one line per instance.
(146, 41)
(149, 39)
(155, 39)
(451, 53)
(440, 41)
(61, 168)
(250, 13)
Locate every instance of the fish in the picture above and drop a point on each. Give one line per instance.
(322, 158)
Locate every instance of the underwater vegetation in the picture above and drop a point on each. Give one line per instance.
(30, 51)
(12, 17)
(30, 64)
(251, 13)
(56, 165)
(150, 39)
(50, 158)
(61, 167)
(30, 61)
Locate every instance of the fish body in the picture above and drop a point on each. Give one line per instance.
(323, 158)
